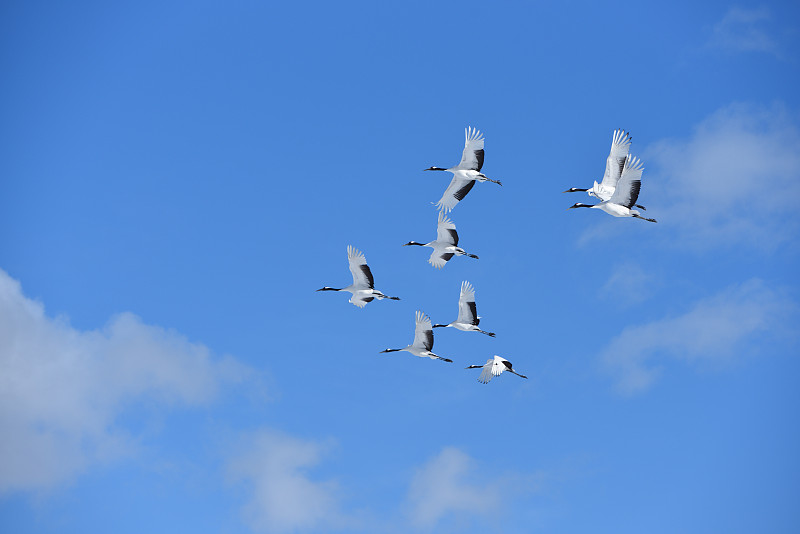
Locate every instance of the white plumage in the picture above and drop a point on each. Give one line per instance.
(493, 367)
(446, 244)
(466, 173)
(625, 194)
(363, 286)
(423, 340)
(468, 318)
(615, 163)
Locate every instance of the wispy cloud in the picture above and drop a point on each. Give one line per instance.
(62, 389)
(628, 284)
(733, 182)
(282, 495)
(744, 29)
(714, 329)
(450, 485)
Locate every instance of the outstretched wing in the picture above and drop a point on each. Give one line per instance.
(486, 373)
(630, 182)
(620, 146)
(362, 276)
(467, 312)
(361, 299)
(446, 230)
(472, 158)
(455, 192)
(439, 259)
(423, 333)
(499, 365)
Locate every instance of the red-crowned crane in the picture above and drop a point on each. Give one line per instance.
(466, 172)
(363, 286)
(423, 340)
(494, 367)
(468, 319)
(446, 244)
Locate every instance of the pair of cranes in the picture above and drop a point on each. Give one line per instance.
(445, 247)
(621, 183)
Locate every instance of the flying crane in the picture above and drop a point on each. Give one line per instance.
(363, 286)
(423, 340)
(466, 173)
(446, 244)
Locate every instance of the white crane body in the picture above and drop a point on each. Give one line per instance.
(468, 319)
(494, 367)
(363, 286)
(466, 173)
(423, 340)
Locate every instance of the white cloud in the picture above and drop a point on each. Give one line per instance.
(61, 389)
(733, 182)
(283, 497)
(628, 284)
(715, 329)
(745, 30)
(448, 485)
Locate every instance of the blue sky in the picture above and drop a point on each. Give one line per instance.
(177, 179)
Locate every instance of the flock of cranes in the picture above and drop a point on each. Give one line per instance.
(618, 193)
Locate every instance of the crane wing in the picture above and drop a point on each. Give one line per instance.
(446, 230)
(620, 146)
(423, 333)
(439, 259)
(486, 373)
(362, 276)
(630, 182)
(472, 158)
(455, 192)
(499, 365)
(361, 299)
(467, 312)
